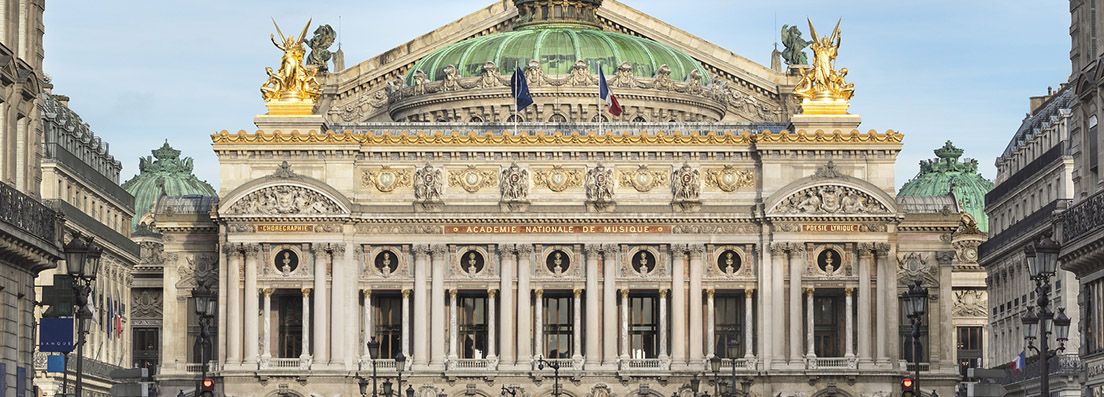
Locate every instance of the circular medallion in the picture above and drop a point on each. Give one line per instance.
(558, 262)
(387, 262)
(472, 262)
(728, 262)
(829, 260)
(286, 261)
(643, 262)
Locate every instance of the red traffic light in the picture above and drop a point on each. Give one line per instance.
(208, 384)
(906, 384)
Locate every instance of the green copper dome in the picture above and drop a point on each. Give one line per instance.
(557, 47)
(165, 173)
(947, 175)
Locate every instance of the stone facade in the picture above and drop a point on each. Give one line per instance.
(29, 231)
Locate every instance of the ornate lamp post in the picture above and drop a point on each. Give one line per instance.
(715, 365)
(916, 306)
(373, 352)
(400, 365)
(509, 391)
(205, 309)
(541, 362)
(1042, 261)
(82, 259)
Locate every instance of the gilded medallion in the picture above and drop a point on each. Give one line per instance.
(558, 179)
(642, 179)
(729, 178)
(387, 179)
(473, 179)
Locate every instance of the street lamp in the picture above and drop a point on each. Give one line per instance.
(1042, 261)
(541, 362)
(916, 306)
(695, 384)
(82, 261)
(400, 364)
(203, 297)
(373, 352)
(715, 365)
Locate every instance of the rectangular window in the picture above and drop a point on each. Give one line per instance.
(969, 348)
(289, 327)
(146, 345)
(387, 323)
(558, 325)
(643, 326)
(828, 323)
(728, 312)
(472, 318)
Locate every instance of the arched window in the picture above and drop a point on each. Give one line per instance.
(596, 118)
(514, 118)
(639, 119)
(557, 118)
(475, 119)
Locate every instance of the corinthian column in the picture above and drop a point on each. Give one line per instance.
(266, 341)
(321, 314)
(305, 352)
(593, 340)
(809, 323)
(233, 305)
(538, 320)
(696, 267)
(492, 320)
(437, 307)
(749, 348)
(251, 306)
(453, 325)
(609, 304)
(421, 306)
(625, 323)
(506, 289)
(524, 315)
(663, 323)
(576, 330)
(865, 337)
(849, 328)
(710, 324)
(797, 267)
(884, 283)
(678, 306)
(367, 336)
(405, 322)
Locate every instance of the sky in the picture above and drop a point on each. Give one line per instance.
(143, 72)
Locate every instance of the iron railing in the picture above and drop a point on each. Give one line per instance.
(1083, 218)
(29, 215)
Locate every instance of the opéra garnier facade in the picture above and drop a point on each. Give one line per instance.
(627, 253)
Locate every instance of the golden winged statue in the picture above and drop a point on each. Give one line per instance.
(294, 81)
(822, 82)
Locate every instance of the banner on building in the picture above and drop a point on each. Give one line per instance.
(55, 335)
(55, 363)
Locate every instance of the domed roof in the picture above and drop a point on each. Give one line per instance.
(557, 47)
(946, 175)
(163, 174)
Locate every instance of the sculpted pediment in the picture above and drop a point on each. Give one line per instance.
(285, 200)
(830, 200)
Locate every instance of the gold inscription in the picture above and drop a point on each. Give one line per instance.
(555, 229)
(830, 228)
(280, 228)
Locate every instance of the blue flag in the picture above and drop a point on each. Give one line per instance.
(519, 89)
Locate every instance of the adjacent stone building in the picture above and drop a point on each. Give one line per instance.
(80, 178)
(30, 232)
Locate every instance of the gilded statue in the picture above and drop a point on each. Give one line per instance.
(822, 81)
(294, 80)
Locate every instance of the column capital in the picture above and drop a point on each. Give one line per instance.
(453, 292)
(849, 291)
(710, 292)
(593, 249)
(866, 250)
(406, 292)
(749, 292)
(882, 249)
(336, 248)
(231, 248)
(779, 248)
(524, 249)
(491, 292)
(577, 292)
(421, 249)
(809, 290)
(611, 249)
(266, 291)
(251, 250)
(538, 292)
(696, 250)
(797, 248)
(663, 292)
(306, 291)
(625, 292)
(439, 249)
(366, 291)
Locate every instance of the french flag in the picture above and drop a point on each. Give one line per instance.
(1018, 364)
(607, 95)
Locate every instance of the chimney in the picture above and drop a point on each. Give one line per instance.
(63, 100)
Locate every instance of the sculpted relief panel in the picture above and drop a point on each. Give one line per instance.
(830, 199)
(386, 179)
(284, 200)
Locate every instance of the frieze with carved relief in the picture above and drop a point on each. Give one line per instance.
(642, 178)
(830, 200)
(558, 179)
(284, 200)
(386, 179)
(473, 179)
(729, 179)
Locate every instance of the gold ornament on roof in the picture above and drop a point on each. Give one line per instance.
(823, 89)
(293, 89)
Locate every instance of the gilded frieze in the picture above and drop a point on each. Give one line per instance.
(386, 179)
(729, 178)
(642, 178)
(473, 179)
(558, 179)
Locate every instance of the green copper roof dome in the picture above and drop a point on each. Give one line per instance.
(947, 175)
(165, 173)
(557, 39)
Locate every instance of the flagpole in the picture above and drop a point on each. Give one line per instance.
(599, 102)
(515, 89)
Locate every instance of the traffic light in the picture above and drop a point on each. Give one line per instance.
(207, 387)
(907, 388)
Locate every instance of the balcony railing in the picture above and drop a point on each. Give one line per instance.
(382, 364)
(1021, 228)
(564, 363)
(285, 363)
(742, 364)
(25, 213)
(1062, 364)
(471, 364)
(195, 368)
(924, 367)
(92, 367)
(1083, 218)
(831, 363)
(644, 364)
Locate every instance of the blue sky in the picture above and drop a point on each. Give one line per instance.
(141, 72)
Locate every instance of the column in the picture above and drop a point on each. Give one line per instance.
(663, 323)
(797, 268)
(406, 323)
(454, 327)
(865, 259)
(251, 306)
(593, 323)
(771, 258)
(368, 331)
(491, 323)
(696, 358)
(778, 295)
(437, 307)
(421, 301)
(678, 306)
(610, 264)
(343, 312)
(233, 305)
(882, 308)
(849, 320)
(223, 319)
(538, 323)
(321, 319)
(305, 353)
(266, 340)
(710, 324)
(749, 323)
(949, 348)
(576, 330)
(625, 323)
(524, 316)
(809, 323)
(506, 290)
